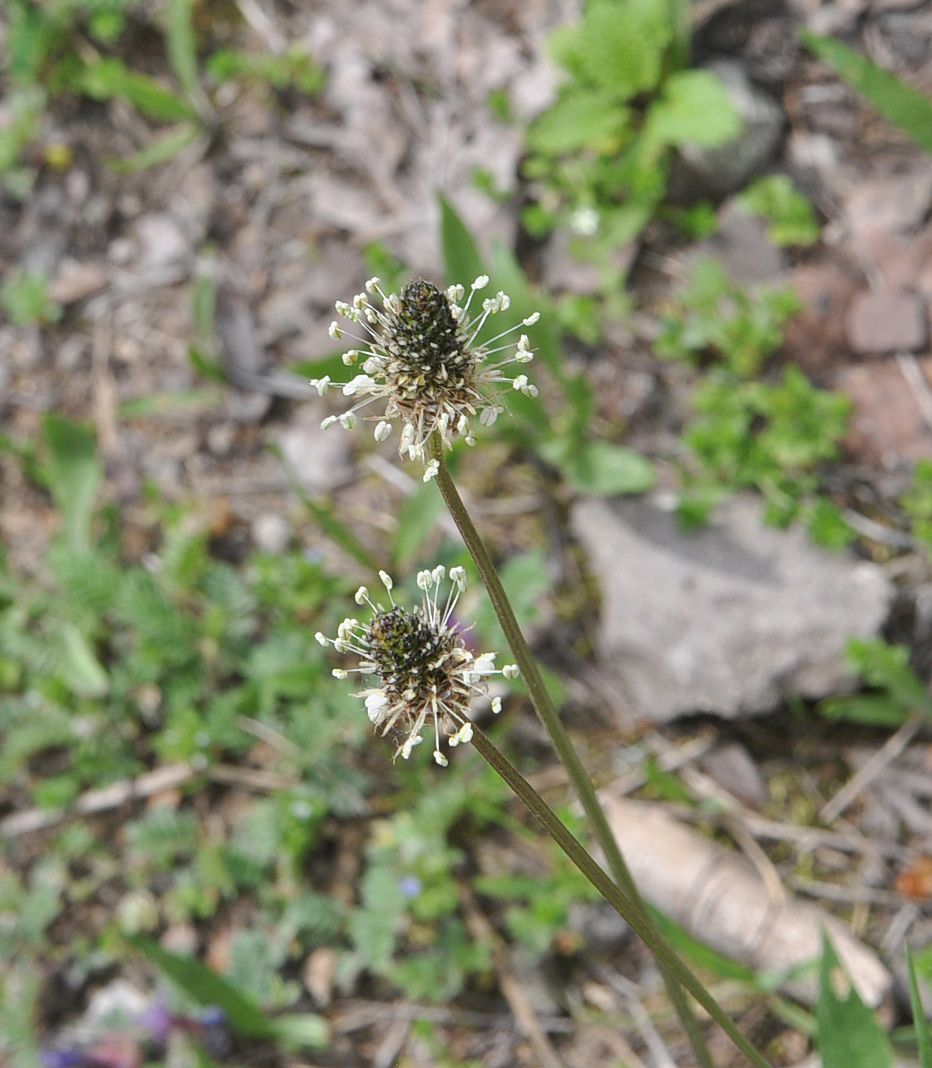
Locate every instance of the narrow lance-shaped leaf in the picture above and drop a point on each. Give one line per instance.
(904, 106)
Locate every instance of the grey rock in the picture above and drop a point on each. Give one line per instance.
(271, 532)
(602, 929)
(894, 203)
(727, 620)
(886, 320)
(733, 768)
(742, 246)
(162, 241)
(727, 168)
(320, 458)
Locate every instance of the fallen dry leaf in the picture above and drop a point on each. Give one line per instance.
(916, 881)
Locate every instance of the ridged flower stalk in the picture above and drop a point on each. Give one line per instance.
(427, 364)
(582, 784)
(627, 906)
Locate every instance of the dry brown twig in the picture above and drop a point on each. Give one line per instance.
(512, 991)
(892, 748)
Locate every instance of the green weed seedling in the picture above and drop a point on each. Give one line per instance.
(750, 431)
(408, 928)
(600, 156)
(899, 693)
(538, 906)
(25, 299)
(45, 63)
(917, 503)
(790, 216)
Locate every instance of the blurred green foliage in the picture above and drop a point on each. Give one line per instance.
(600, 156)
(898, 693)
(904, 106)
(111, 666)
(25, 299)
(917, 503)
(81, 48)
(791, 218)
(751, 430)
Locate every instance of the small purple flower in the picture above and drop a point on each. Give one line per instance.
(62, 1058)
(157, 1021)
(410, 886)
(215, 1033)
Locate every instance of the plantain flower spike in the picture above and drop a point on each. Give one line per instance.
(423, 363)
(425, 678)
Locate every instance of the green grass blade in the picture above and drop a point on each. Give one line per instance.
(207, 988)
(73, 473)
(905, 107)
(182, 47)
(923, 1035)
(461, 257)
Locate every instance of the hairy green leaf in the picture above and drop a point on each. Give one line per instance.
(693, 109)
(600, 467)
(581, 118)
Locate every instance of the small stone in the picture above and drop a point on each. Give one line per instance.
(180, 938)
(221, 438)
(76, 281)
(886, 320)
(70, 353)
(743, 247)
(162, 241)
(887, 425)
(729, 619)
(271, 533)
(320, 458)
(732, 767)
(121, 251)
(726, 169)
(816, 337)
(894, 204)
(318, 974)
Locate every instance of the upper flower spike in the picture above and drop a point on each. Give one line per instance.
(421, 354)
(426, 677)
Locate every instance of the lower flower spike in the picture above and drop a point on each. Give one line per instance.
(425, 677)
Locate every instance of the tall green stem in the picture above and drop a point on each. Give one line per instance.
(619, 899)
(582, 784)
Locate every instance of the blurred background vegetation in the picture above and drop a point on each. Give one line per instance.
(206, 857)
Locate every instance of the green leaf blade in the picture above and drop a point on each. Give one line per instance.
(904, 106)
(461, 256)
(849, 1035)
(73, 472)
(600, 468)
(207, 988)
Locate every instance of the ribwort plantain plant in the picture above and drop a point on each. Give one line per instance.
(425, 361)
